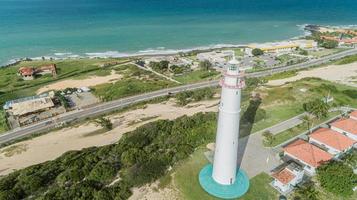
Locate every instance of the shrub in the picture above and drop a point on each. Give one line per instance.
(257, 52)
(337, 178)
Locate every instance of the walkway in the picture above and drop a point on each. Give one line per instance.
(157, 73)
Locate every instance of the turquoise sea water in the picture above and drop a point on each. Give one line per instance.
(31, 28)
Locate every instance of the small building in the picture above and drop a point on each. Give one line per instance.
(334, 142)
(287, 177)
(353, 115)
(345, 126)
(27, 73)
(307, 154)
(217, 58)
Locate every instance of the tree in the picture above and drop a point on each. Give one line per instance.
(257, 52)
(337, 178)
(268, 137)
(206, 65)
(308, 120)
(307, 191)
(104, 123)
(329, 44)
(317, 108)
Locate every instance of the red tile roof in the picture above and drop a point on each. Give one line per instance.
(307, 152)
(354, 114)
(348, 125)
(332, 138)
(26, 71)
(284, 176)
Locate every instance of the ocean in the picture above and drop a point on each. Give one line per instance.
(70, 28)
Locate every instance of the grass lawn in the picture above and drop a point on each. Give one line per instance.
(347, 60)
(185, 180)
(284, 102)
(325, 52)
(282, 75)
(12, 86)
(198, 75)
(297, 130)
(3, 124)
(134, 81)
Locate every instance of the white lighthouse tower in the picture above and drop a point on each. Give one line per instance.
(223, 179)
(226, 150)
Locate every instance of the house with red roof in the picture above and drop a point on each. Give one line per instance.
(345, 126)
(332, 141)
(307, 154)
(27, 73)
(287, 177)
(353, 115)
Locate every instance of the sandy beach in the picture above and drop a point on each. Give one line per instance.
(344, 74)
(52, 145)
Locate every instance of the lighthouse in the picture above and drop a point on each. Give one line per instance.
(223, 178)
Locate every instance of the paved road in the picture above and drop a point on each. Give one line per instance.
(117, 104)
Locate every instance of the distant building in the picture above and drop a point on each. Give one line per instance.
(285, 46)
(307, 154)
(173, 60)
(217, 58)
(347, 127)
(287, 177)
(334, 142)
(28, 105)
(29, 73)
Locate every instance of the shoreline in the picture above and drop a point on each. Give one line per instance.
(117, 54)
(159, 51)
(150, 52)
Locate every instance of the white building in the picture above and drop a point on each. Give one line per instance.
(226, 148)
(307, 154)
(334, 142)
(288, 177)
(285, 46)
(347, 127)
(217, 58)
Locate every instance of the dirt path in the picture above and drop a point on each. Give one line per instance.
(54, 144)
(88, 82)
(345, 74)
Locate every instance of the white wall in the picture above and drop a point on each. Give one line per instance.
(308, 168)
(330, 149)
(350, 135)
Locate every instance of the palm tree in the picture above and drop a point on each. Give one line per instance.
(308, 191)
(308, 120)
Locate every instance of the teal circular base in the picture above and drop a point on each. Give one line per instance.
(238, 189)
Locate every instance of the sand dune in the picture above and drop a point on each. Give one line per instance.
(345, 74)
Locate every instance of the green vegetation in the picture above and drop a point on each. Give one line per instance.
(186, 181)
(329, 44)
(105, 123)
(140, 157)
(134, 81)
(337, 178)
(257, 52)
(347, 60)
(161, 66)
(282, 103)
(12, 86)
(3, 122)
(307, 191)
(282, 75)
(206, 65)
(198, 75)
(325, 52)
(183, 98)
(274, 140)
(317, 108)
